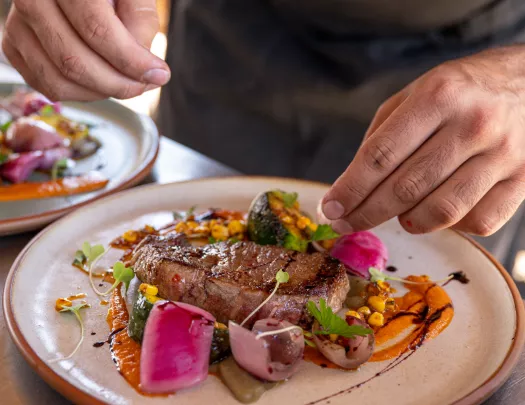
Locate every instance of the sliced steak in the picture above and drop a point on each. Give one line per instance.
(231, 280)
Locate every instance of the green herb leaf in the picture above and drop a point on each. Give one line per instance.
(47, 111)
(324, 232)
(123, 274)
(234, 240)
(289, 199)
(295, 242)
(5, 126)
(212, 240)
(3, 158)
(377, 275)
(92, 253)
(58, 168)
(190, 213)
(310, 343)
(177, 216)
(333, 324)
(282, 277)
(79, 259)
(74, 308)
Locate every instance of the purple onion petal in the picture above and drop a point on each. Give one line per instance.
(19, 168)
(175, 348)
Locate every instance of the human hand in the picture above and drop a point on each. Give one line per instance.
(447, 151)
(85, 50)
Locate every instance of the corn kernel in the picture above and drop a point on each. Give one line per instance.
(192, 224)
(383, 286)
(202, 229)
(235, 227)
(219, 232)
(152, 298)
(130, 236)
(333, 337)
(354, 314)
(181, 227)
(149, 229)
(364, 311)
(390, 303)
(303, 222)
(313, 226)
(376, 303)
(219, 325)
(148, 289)
(376, 319)
(287, 219)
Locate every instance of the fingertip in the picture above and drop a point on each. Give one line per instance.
(157, 76)
(333, 209)
(342, 227)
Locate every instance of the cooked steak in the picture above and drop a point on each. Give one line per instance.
(231, 280)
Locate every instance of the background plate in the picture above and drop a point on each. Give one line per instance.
(130, 144)
(464, 364)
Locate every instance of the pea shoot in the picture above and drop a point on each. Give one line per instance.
(281, 277)
(377, 275)
(58, 169)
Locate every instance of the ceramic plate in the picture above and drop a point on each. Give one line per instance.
(129, 146)
(463, 365)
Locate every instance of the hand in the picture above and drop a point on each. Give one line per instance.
(447, 151)
(85, 50)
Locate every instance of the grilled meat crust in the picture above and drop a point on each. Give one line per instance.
(231, 280)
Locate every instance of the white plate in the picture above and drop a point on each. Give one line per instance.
(464, 364)
(130, 144)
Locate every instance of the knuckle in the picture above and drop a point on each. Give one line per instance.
(353, 191)
(72, 67)
(409, 189)
(361, 221)
(129, 91)
(444, 213)
(379, 155)
(482, 227)
(95, 29)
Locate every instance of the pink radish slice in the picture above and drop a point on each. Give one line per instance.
(271, 358)
(19, 168)
(360, 251)
(175, 348)
(27, 135)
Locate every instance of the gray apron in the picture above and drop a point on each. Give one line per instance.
(288, 87)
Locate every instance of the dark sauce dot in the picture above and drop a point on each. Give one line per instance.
(101, 285)
(391, 269)
(98, 344)
(93, 333)
(410, 257)
(460, 276)
(323, 365)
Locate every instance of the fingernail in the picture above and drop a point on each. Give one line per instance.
(157, 76)
(151, 87)
(333, 209)
(342, 227)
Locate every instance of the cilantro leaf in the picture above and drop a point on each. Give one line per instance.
(123, 274)
(289, 199)
(333, 324)
(58, 168)
(324, 232)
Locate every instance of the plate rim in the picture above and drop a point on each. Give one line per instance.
(133, 178)
(73, 393)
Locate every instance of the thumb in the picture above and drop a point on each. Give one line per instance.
(140, 17)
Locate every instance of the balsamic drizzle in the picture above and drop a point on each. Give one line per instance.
(458, 276)
(109, 339)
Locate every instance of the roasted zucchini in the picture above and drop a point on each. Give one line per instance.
(139, 315)
(275, 219)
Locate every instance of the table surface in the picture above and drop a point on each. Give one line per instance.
(19, 384)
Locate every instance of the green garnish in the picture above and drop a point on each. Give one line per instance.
(289, 199)
(75, 310)
(234, 240)
(92, 253)
(5, 126)
(58, 168)
(122, 274)
(333, 324)
(3, 157)
(324, 232)
(80, 259)
(281, 277)
(177, 216)
(191, 212)
(212, 240)
(377, 275)
(47, 111)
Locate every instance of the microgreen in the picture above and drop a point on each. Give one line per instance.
(191, 212)
(58, 168)
(212, 240)
(122, 274)
(377, 275)
(92, 253)
(333, 324)
(324, 232)
(47, 110)
(75, 310)
(177, 216)
(5, 126)
(234, 240)
(281, 277)
(289, 199)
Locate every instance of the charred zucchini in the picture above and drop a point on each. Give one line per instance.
(275, 219)
(139, 315)
(220, 344)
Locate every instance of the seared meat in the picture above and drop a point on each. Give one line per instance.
(231, 280)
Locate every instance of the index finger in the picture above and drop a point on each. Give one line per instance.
(400, 135)
(101, 29)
